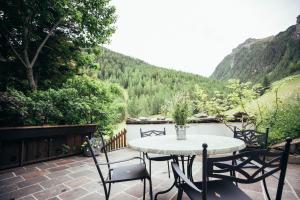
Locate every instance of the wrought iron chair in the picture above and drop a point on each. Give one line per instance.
(253, 139)
(129, 172)
(224, 186)
(155, 157)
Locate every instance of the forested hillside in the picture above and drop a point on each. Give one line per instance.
(267, 59)
(148, 86)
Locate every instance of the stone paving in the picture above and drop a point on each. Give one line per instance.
(76, 178)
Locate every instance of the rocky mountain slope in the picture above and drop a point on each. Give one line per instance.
(271, 58)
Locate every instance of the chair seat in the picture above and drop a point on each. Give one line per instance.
(157, 157)
(128, 172)
(217, 190)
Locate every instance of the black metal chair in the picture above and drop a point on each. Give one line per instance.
(129, 172)
(253, 139)
(224, 186)
(155, 157)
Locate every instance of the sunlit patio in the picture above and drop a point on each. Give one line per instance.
(76, 178)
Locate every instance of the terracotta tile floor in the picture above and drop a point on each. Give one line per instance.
(76, 178)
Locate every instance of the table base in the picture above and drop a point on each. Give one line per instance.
(189, 165)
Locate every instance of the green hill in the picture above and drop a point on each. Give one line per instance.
(288, 92)
(271, 58)
(281, 115)
(148, 86)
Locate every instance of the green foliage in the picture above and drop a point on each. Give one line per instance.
(275, 57)
(181, 110)
(46, 37)
(81, 100)
(238, 94)
(283, 122)
(148, 87)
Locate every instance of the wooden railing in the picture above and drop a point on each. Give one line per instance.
(117, 142)
(25, 145)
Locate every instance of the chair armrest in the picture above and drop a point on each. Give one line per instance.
(179, 173)
(125, 160)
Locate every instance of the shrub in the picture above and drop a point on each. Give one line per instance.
(284, 123)
(81, 100)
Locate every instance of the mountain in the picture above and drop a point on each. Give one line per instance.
(271, 58)
(149, 87)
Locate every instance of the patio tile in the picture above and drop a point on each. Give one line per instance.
(54, 198)
(73, 194)
(11, 180)
(81, 173)
(58, 173)
(47, 166)
(93, 196)
(77, 178)
(8, 188)
(63, 162)
(34, 174)
(32, 181)
(254, 195)
(6, 175)
(21, 192)
(54, 169)
(136, 190)
(256, 187)
(25, 170)
(95, 186)
(29, 197)
(124, 196)
(56, 181)
(76, 164)
(79, 168)
(52, 192)
(78, 182)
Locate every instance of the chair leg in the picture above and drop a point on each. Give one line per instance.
(144, 194)
(179, 194)
(168, 168)
(266, 189)
(150, 189)
(150, 168)
(109, 189)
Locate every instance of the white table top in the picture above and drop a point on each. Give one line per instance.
(169, 145)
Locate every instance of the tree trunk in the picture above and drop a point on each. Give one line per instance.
(30, 77)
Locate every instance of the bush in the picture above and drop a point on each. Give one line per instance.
(81, 100)
(284, 123)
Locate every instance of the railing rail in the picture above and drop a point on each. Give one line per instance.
(117, 142)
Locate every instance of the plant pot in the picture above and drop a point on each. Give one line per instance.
(87, 152)
(180, 132)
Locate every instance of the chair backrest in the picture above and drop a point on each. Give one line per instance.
(152, 133)
(220, 167)
(101, 145)
(252, 137)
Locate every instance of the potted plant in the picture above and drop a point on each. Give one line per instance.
(180, 115)
(96, 144)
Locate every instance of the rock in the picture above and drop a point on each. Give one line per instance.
(294, 149)
(239, 114)
(144, 119)
(200, 115)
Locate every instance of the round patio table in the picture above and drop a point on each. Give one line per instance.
(169, 145)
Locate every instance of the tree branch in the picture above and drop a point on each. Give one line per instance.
(44, 42)
(14, 50)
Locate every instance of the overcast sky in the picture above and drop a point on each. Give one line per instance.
(195, 35)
